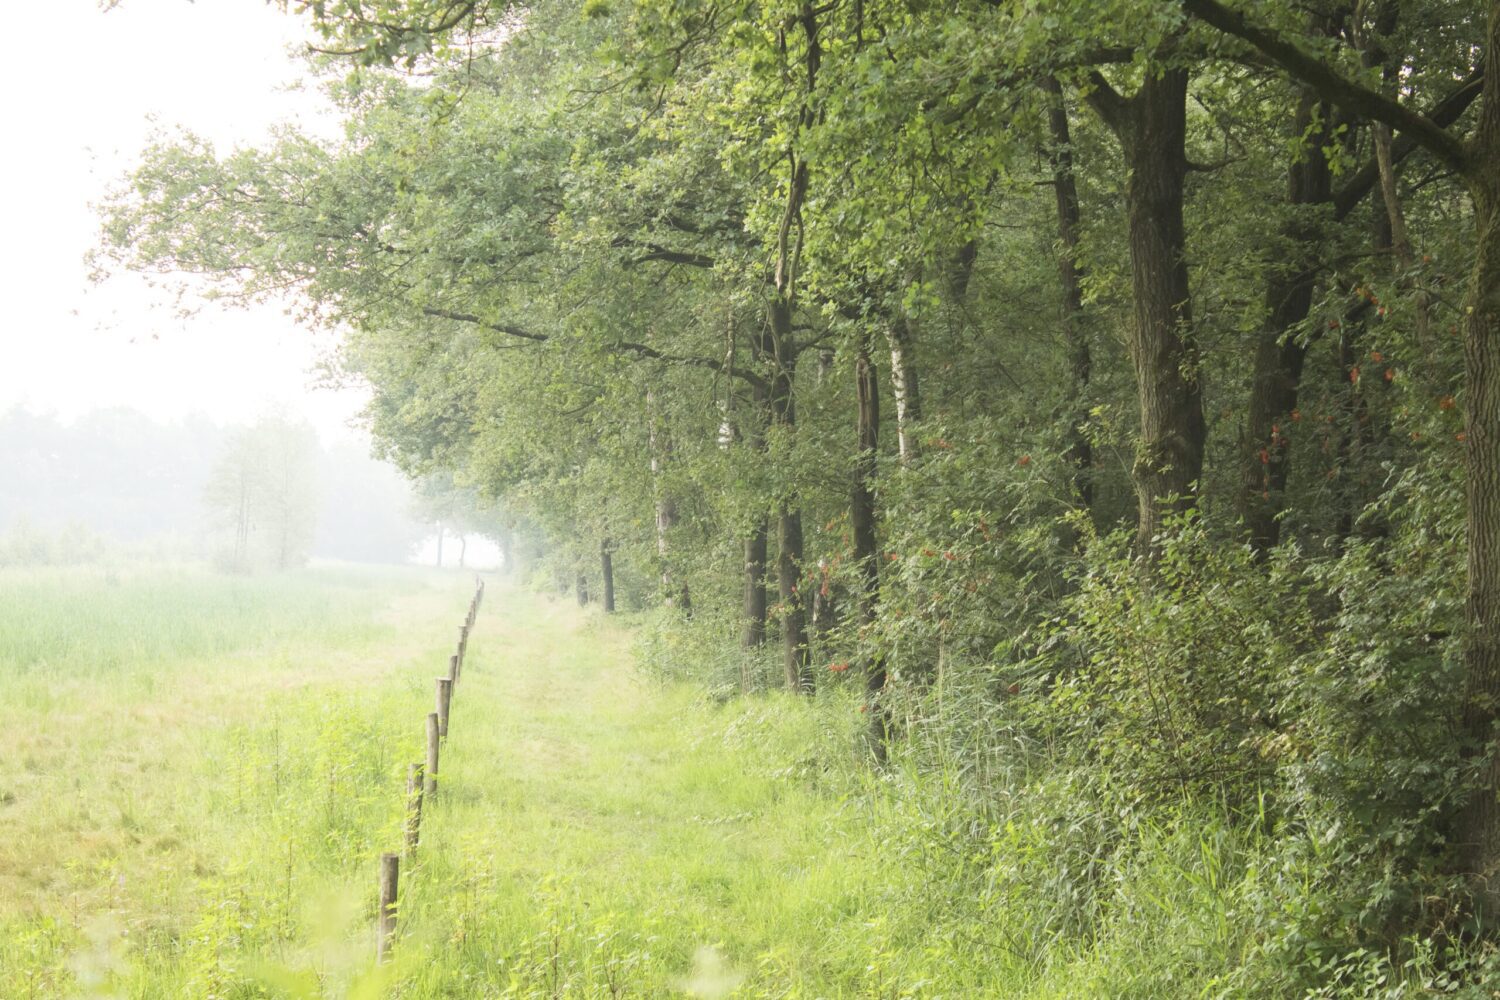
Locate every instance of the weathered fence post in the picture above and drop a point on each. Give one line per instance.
(413, 806)
(453, 668)
(433, 739)
(463, 642)
(390, 873)
(444, 702)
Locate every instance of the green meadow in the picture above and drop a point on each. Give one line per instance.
(200, 773)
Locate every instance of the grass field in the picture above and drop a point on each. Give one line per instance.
(200, 773)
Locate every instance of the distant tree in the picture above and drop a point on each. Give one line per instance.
(264, 490)
(458, 510)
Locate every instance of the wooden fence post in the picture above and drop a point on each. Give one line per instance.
(413, 806)
(453, 668)
(432, 752)
(390, 873)
(463, 641)
(444, 702)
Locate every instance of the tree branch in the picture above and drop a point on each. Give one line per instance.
(1345, 92)
(621, 347)
(1444, 113)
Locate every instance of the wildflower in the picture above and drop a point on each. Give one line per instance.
(838, 668)
(1024, 460)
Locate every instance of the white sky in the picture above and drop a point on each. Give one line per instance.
(80, 96)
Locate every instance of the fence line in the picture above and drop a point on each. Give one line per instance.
(421, 784)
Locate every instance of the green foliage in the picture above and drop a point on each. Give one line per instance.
(614, 267)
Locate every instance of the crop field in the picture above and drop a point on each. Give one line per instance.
(202, 771)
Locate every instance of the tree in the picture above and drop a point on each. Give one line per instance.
(263, 489)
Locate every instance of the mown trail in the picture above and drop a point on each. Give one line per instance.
(609, 835)
(208, 770)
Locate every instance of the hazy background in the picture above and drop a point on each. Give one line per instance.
(113, 404)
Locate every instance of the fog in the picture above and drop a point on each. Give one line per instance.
(120, 402)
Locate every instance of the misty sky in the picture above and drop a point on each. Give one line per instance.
(85, 89)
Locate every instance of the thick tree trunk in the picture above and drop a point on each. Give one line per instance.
(607, 571)
(862, 515)
(1479, 829)
(756, 604)
(796, 655)
(754, 634)
(1151, 126)
(1080, 451)
(583, 591)
(1265, 452)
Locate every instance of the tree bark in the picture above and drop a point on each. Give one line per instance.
(796, 656)
(1080, 451)
(862, 516)
(463, 549)
(754, 633)
(904, 387)
(607, 571)
(583, 591)
(1479, 828)
(1152, 127)
(1265, 461)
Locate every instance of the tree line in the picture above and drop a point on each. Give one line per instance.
(1131, 367)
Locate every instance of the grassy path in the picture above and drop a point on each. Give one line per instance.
(209, 767)
(612, 833)
(201, 772)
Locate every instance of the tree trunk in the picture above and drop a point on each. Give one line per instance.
(904, 388)
(439, 562)
(862, 515)
(1266, 451)
(1479, 829)
(607, 570)
(754, 634)
(796, 656)
(583, 591)
(463, 549)
(1151, 126)
(1080, 452)
(753, 630)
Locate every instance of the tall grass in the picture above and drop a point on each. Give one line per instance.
(200, 814)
